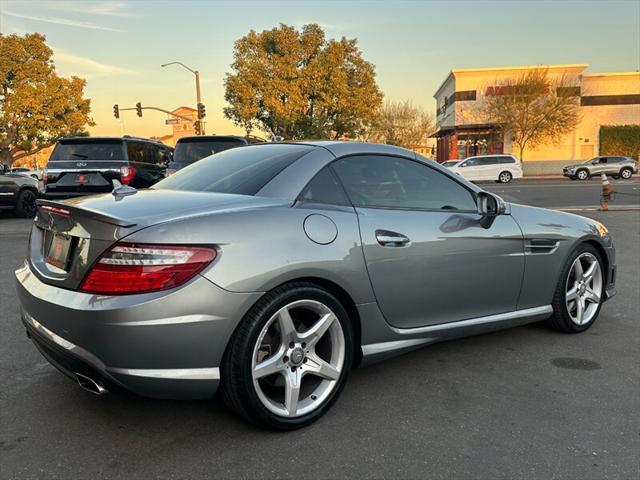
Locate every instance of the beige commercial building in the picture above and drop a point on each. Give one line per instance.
(605, 99)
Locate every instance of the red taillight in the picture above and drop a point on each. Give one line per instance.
(138, 268)
(126, 174)
(59, 211)
(171, 171)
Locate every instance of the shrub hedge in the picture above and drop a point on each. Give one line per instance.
(620, 140)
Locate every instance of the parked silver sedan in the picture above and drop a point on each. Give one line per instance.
(617, 167)
(270, 271)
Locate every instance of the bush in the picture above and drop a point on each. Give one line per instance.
(621, 140)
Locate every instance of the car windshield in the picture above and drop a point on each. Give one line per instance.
(192, 150)
(239, 170)
(88, 150)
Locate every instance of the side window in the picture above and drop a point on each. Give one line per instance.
(393, 182)
(484, 161)
(604, 160)
(151, 154)
(135, 152)
(472, 162)
(324, 188)
(165, 156)
(507, 160)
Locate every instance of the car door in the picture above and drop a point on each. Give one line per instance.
(612, 167)
(488, 168)
(8, 187)
(430, 257)
(470, 169)
(599, 166)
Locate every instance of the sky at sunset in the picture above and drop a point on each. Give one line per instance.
(119, 46)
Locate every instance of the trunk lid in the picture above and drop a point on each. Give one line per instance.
(69, 236)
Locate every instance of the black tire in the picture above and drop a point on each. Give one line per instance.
(561, 320)
(26, 204)
(626, 173)
(237, 387)
(505, 177)
(582, 174)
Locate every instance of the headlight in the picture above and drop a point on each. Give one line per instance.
(602, 230)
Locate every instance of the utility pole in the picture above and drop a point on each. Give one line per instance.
(198, 99)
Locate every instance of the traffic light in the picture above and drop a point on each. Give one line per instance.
(139, 109)
(196, 127)
(116, 111)
(201, 112)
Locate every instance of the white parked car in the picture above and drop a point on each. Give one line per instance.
(500, 168)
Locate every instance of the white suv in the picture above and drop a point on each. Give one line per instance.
(500, 168)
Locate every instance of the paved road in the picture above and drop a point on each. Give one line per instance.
(522, 403)
(567, 194)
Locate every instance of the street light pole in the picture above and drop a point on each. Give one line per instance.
(198, 99)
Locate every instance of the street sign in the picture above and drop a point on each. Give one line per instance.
(172, 121)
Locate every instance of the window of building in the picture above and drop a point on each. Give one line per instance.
(380, 181)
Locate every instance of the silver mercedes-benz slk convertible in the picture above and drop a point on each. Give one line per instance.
(270, 271)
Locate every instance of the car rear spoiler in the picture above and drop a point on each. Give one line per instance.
(65, 209)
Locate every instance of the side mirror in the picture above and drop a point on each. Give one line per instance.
(490, 205)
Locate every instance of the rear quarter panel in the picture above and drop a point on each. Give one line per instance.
(262, 248)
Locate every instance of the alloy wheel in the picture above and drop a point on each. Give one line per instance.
(298, 358)
(626, 174)
(505, 177)
(584, 288)
(582, 174)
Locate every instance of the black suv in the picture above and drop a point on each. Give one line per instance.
(88, 165)
(18, 192)
(191, 149)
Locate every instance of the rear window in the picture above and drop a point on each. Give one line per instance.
(83, 151)
(240, 170)
(507, 160)
(190, 151)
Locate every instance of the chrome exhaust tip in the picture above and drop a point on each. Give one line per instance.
(90, 385)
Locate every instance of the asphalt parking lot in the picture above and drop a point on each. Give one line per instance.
(521, 403)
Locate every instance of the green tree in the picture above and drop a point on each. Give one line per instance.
(401, 124)
(533, 108)
(37, 106)
(298, 84)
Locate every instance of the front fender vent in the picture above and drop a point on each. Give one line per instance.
(540, 246)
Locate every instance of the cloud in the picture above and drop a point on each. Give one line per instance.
(61, 21)
(69, 64)
(112, 8)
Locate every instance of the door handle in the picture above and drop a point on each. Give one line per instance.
(391, 239)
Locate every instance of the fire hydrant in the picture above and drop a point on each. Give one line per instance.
(607, 191)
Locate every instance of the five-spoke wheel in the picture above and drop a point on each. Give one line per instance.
(298, 358)
(289, 358)
(584, 287)
(580, 291)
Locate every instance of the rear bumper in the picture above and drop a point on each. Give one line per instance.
(162, 346)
